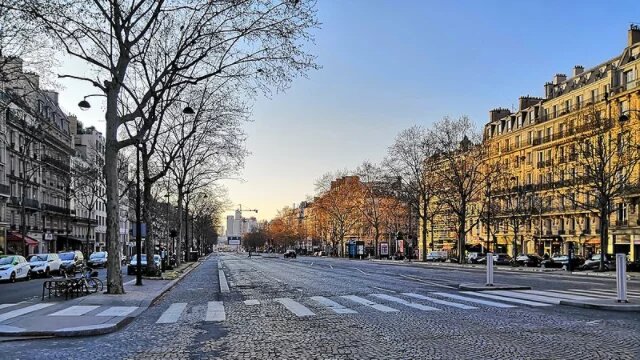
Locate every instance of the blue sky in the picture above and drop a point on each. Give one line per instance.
(390, 64)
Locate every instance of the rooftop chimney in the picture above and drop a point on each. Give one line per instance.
(558, 78)
(577, 70)
(497, 114)
(633, 36)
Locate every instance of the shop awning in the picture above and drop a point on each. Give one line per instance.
(19, 237)
(594, 241)
(70, 238)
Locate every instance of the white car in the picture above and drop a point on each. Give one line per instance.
(45, 264)
(14, 267)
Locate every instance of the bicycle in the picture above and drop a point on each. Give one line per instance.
(88, 281)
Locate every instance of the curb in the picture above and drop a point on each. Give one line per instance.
(608, 307)
(483, 287)
(101, 329)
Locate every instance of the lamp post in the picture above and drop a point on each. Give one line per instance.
(514, 215)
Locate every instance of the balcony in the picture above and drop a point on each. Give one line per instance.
(622, 223)
(55, 209)
(57, 163)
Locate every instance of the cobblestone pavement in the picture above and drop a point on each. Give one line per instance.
(337, 309)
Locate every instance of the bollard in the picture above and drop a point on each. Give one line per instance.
(621, 277)
(489, 269)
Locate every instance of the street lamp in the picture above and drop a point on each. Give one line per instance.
(514, 214)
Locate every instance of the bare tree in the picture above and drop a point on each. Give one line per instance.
(259, 44)
(596, 172)
(408, 158)
(461, 168)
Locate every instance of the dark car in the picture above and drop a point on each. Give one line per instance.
(528, 260)
(71, 261)
(634, 265)
(290, 254)
(562, 262)
(594, 262)
(98, 259)
(498, 259)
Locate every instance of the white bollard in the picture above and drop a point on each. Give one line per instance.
(489, 269)
(621, 277)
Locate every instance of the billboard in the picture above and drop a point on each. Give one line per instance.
(384, 249)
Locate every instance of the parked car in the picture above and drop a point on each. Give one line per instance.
(45, 264)
(498, 259)
(594, 262)
(131, 268)
(527, 260)
(634, 265)
(71, 261)
(437, 256)
(14, 267)
(474, 257)
(98, 259)
(290, 254)
(562, 262)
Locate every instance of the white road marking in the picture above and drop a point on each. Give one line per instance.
(25, 310)
(361, 271)
(559, 295)
(585, 293)
(337, 308)
(311, 264)
(513, 294)
(118, 311)
(295, 307)
(252, 302)
(331, 266)
(224, 287)
(172, 314)
(630, 293)
(4, 306)
(405, 302)
(441, 302)
(366, 302)
(474, 300)
(75, 310)
(488, 295)
(130, 282)
(428, 282)
(278, 280)
(215, 311)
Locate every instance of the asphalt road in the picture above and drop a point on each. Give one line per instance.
(323, 308)
(31, 290)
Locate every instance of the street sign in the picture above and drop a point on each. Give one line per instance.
(48, 236)
(234, 242)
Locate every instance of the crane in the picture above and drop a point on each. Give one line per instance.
(241, 210)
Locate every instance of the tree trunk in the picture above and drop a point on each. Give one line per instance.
(604, 233)
(149, 248)
(461, 236)
(424, 231)
(376, 236)
(178, 253)
(114, 277)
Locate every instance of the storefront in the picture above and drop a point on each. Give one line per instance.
(21, 245)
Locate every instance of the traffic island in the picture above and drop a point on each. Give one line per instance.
(485, 287)
(604, 304)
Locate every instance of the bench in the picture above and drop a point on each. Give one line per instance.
(57, 287)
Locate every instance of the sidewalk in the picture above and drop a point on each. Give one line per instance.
(87, 315)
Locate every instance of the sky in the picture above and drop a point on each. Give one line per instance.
(388, 65)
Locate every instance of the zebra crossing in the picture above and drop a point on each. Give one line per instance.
(339, 305)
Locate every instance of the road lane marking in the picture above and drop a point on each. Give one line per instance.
(337, 308)
(405, 302)
(25, 310)
(295, 307)
(562, 296)
(428, 282)
(311, 264)
(583, 293)
(252, 302)
(215, 311)
(75, 310)
(630, 293)
(504, 298)
(441, 302)
(361, 271)
(513, 294)
(366, 302)
(118, 311)
(599, 293)
(4, 306)
(331, 266)
(278, 280)
(172, 314)
(474, 300)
